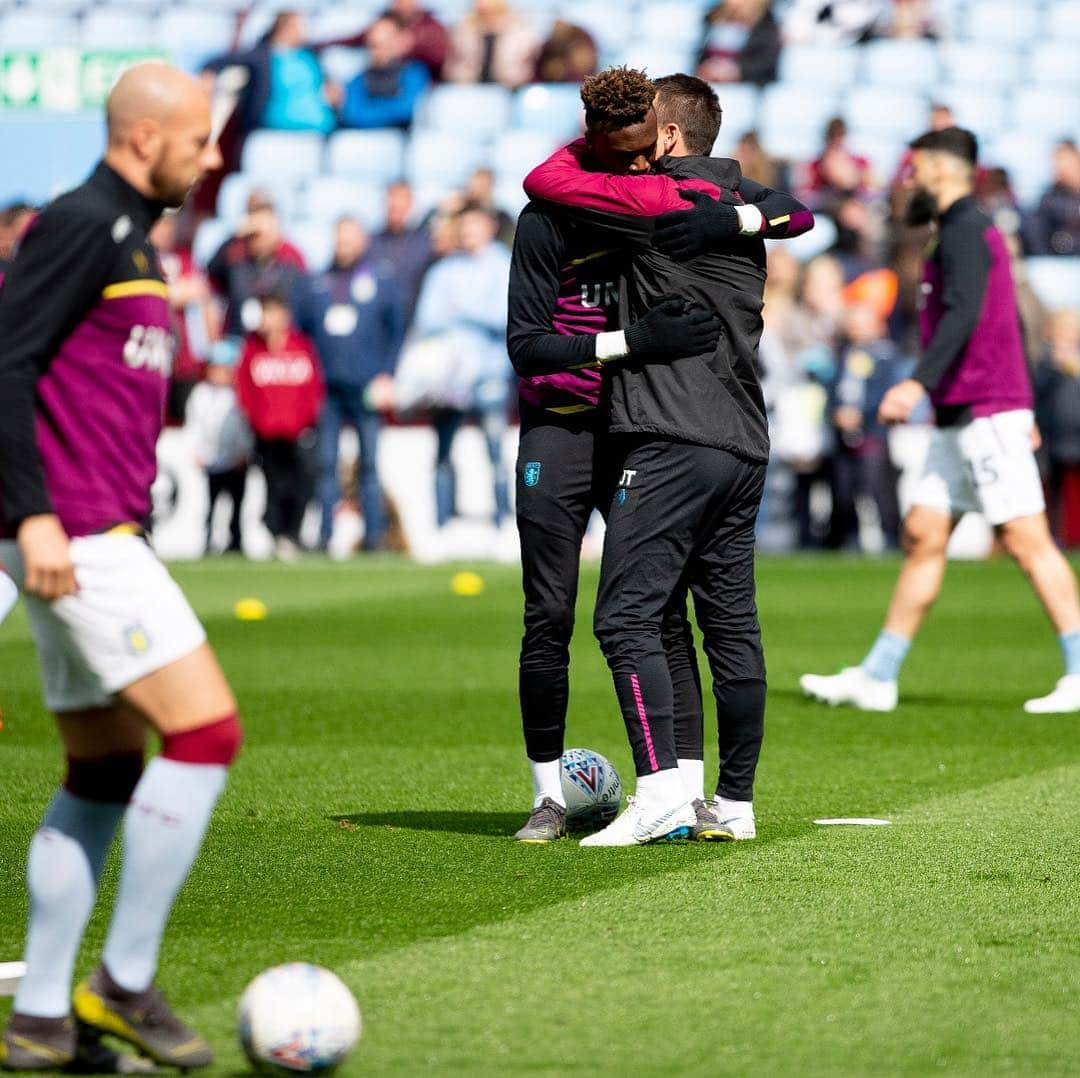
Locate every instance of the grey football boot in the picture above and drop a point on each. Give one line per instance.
(546, 823)
(707, 825)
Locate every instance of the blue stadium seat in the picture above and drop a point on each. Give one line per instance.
(510, 198)
(984, 111)
(554, 109)
(470, 111)
(1064, 20)
(378, 156)
(28, 29)
(660, 57)
(288, 154)
(970, 63)
(1026, 156)
(1056, 280)
(813, 243)
(517, 152)
(438, 155)
(341, 64)
(881, 110)
(792, 121)
(342, 20)
(671, 21)
(739, 101)
(209, 237)
(817, 65)
(117, 28)
(325, 198)
(900, 63)
(196, 31)
(883, 152)
(56, 151)
(1055, 112)
(315, 241)
(1004, 22)
(235, 188)
(1053, 63)
(611, 25)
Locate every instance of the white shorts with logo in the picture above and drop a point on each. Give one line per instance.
(986, 466)
(127, 619)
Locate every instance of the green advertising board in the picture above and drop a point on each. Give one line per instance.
(63, 79)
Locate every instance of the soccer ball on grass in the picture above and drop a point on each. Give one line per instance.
(591, 788)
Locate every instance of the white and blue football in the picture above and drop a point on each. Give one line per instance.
(297, 1019)
(591, 787)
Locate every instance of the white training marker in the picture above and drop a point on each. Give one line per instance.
(10, 975)
(854, 821)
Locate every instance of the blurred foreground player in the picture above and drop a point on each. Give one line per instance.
(84, 364)
(981, 456)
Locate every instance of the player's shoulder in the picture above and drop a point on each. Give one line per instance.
(83, 210)
(539, 220)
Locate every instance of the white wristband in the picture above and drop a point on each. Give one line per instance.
(751, 221)
(611, 345)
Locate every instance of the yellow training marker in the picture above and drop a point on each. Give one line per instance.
(250, 609)
(466, 583)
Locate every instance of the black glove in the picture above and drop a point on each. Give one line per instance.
(684, 234)
(673, 328)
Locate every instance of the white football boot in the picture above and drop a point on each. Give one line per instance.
(636, 826)
(735, 817)
(1064, 698)
(854, 686)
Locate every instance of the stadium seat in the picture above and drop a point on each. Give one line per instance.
(23, 29)
(658, 58)
(1053, 63)
(984, 111)
(235, 188)
(1064, 21)
(816, 65)
(671, 21)
(1003, 22)
(792, 121)
(883, 152)
(1026, 156)
(56, 151)
(378, 156)
(900, 63)
(739, 101)
(209, 237)
(288, 154)
(517, 152)
(315, 241)
(194, 31)
(341, 64)
(813, 243)
(970, 63)
(343, 20)
(881, 110)
(510, 198)
(440, 155)
(117, 28)
(611, 25)
(1056, 280)
(468, 111)
(1057, 112)
(553, 109)
(325, 198)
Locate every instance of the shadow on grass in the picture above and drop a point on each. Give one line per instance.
(461, 823)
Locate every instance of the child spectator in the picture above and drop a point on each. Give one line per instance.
(280, 388)
(223, 444)
(1057, 387)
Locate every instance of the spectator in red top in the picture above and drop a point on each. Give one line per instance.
(742, 43)
(258, 260)
(430, 39)
(189, 296)
(279, 386)
(838, 173)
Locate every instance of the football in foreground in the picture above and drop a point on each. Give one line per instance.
(297, 1019)
(591, 787)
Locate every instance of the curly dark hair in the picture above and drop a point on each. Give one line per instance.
(617, 97)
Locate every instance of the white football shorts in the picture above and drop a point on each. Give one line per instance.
(127, 619)
(986, 466)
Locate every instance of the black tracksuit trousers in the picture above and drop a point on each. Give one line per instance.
(682, 518)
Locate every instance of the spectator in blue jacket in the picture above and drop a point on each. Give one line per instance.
(387, 92)
(355, 316)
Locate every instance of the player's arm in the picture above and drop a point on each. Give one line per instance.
(64, 263)
(782, 215)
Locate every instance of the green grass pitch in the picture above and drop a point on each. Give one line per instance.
(365, 828)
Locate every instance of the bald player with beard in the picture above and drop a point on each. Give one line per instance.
(84, 365)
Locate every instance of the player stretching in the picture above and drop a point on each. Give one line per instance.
(981, 456)
(84, 362)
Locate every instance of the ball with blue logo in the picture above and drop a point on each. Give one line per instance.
(591, 788)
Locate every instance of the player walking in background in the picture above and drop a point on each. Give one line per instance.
(981, 456)
(84, 364)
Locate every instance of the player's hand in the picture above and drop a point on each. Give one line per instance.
(684, 234)
(898, 404)
(674, 328)
(46, 554)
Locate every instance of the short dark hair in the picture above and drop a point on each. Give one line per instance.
(617, 97)
(693, 105)
(955, 141)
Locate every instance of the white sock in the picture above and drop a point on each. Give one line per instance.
(163, 832)
(547, 781)
(661, 790)
(728, 809)
(66, 856)
(693, 776)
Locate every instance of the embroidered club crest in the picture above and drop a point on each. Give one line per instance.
(531, 474)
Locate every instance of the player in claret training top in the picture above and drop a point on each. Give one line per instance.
(981, 456)
(85, 351)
